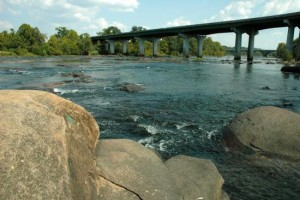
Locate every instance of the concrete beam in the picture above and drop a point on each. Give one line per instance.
(238, 43)
(252, 33)
(200, 39)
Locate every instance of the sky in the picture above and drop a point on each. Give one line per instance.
(92, 16)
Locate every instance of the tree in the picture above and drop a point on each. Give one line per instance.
(61, 32)
(30, 36)
(112, 30)
(283, 52)
(85, 44)
(137, 29)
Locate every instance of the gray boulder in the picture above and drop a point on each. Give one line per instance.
(266, 129)
(197, 178)
(133, 167)
(47, 147)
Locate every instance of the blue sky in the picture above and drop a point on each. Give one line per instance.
(92, 16)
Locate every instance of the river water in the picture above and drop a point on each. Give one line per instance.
(182, 109)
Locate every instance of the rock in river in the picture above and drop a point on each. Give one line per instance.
(131, 87)
(47, 147)
(266, 129)
(129, 170)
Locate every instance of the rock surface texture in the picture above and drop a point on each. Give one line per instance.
(189, 177)
(50, 150)
(129, 166)
(265, 129)
(47, 147)
(132, 166)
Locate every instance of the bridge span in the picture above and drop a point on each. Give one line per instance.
(199, 31)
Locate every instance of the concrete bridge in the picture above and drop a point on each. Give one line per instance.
(200, 31)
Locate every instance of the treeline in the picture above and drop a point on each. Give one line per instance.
(27, 41)
(167, 46)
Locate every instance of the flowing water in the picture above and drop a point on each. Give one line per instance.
(182, 109)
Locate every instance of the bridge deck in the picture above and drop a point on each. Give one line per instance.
(211, 28)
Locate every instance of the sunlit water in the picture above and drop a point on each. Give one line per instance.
(182, 110)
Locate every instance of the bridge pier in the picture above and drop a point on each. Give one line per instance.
(290, 35)
(124, 47)
(186, 45)
(250, 52)
(200, 39)
(111, 46)
(155, 42)
(238, 43)
(141, 46)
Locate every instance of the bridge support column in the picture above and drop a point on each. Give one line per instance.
(106, 47)
(290, 35)
(186, 45)
(290, 38)
(238, 43)
(124, 47)
(250, 52)
(141, 46)
(200, 39)
(111, 46)
(155, 42)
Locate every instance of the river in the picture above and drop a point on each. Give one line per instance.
(182, 109)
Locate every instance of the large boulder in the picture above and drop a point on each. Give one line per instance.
(128, 170)
(131, 166)
(267, 129)
(197, 178)
(47, 147)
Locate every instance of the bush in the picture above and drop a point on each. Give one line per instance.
(284, 53)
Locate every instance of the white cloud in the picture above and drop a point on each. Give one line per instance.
(235, 10)
(118, 5)
(180, 21)
(272, 7)
(4, 25)
(121, 26)
(99, 24)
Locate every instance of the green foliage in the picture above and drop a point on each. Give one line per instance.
(212, 48)
(137, 29)
(112, 30)
(283, 52)
(28, 41)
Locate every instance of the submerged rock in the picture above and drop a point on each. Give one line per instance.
(131, 87)
(266, 88)
(265, 129)
(47, 147)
